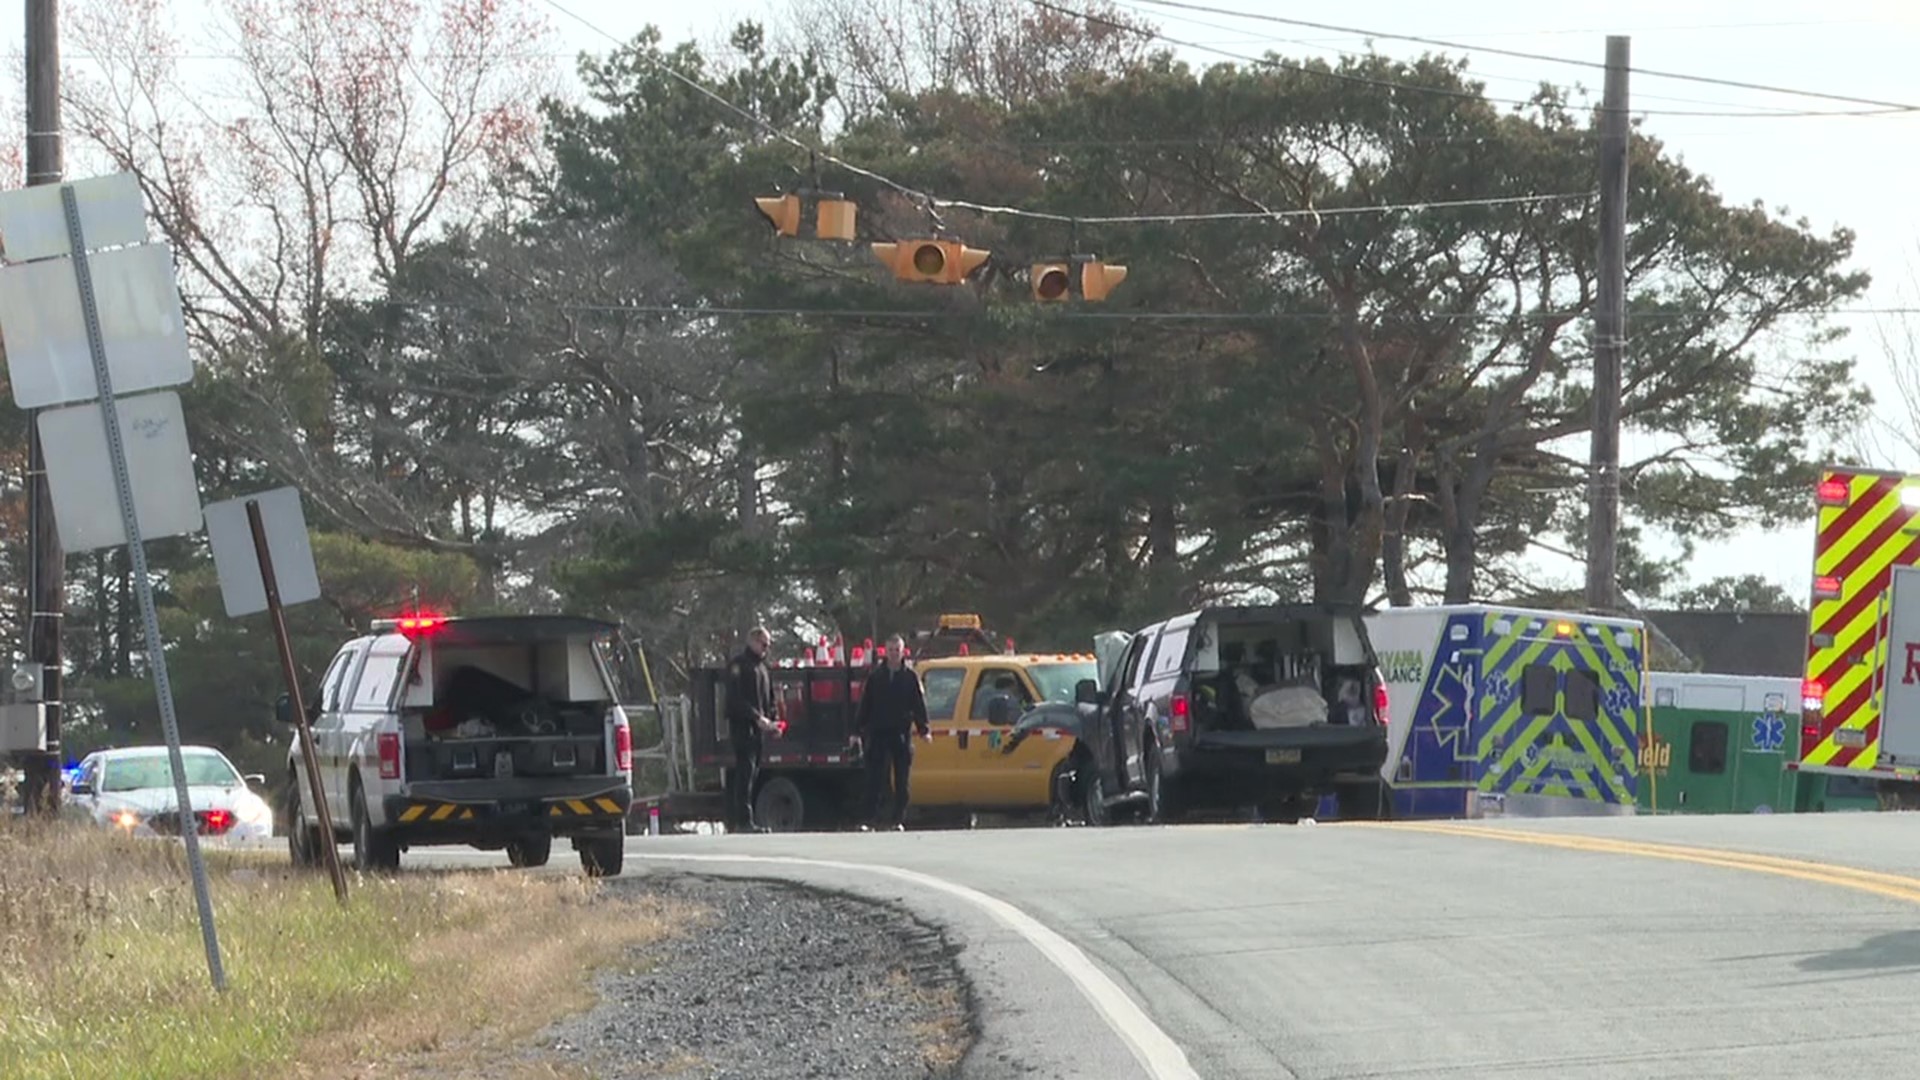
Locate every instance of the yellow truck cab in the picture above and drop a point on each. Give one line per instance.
(974, 763)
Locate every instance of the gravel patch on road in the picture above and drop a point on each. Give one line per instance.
(776, 982)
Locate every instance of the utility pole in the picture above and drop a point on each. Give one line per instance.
(1609, 339)
(46, 562)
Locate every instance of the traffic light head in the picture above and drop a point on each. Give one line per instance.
(1097, 279)
(783, 212)
(833, 219)
(1050, 282)
(940, 262)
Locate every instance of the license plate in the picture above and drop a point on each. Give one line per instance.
(1283, 757)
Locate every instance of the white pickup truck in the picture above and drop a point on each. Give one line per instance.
(493, 732)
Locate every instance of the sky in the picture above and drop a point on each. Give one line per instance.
(1856, 172)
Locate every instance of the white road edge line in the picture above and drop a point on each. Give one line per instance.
(1152, 1047)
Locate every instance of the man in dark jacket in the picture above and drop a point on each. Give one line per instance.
(892, 707)
(749, 717)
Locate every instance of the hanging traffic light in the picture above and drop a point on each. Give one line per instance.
(832, 214)
(783, 211)
(939, 262)
(1079, 276)
(1097, 279)
(1051, 282)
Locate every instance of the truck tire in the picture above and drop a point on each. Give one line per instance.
(374, 849)
(303, 840)
(1154, 810)
(603, 856)
(780, 806)
(1093, 794)
(530, 851)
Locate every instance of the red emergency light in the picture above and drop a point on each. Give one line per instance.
(1833, 492)
(1826, 587)
(419, 624)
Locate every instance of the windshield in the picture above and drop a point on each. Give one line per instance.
(1056, 681)
(135, 773)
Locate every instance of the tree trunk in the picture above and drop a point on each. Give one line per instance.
(1463, 497)
(1393, 544)
(1364, 538)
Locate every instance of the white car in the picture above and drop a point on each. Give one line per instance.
(131, 789)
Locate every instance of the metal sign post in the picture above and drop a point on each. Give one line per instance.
(329, 848)
(143, 584)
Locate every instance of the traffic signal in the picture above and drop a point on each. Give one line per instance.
(1097, 279)
(1051, 282)
(940, 262)
(783, 211)
(1081, 276)
(832, 215)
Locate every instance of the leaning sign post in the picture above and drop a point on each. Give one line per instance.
(82, 324)
(250, 537)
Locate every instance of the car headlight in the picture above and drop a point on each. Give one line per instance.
(125, 819)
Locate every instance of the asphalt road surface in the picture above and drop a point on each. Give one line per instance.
(1645, 947)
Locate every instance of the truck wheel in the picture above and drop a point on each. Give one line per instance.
(531, 850)
(303, 840)
(1154, 812)
(1093, 794)
(603, 856)
(373, 849)
(780, 806)
(1366, 801)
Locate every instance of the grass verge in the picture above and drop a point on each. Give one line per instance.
(102, 972)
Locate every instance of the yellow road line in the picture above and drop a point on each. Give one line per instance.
(1893, 886)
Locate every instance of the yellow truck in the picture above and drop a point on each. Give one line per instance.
(982, 759)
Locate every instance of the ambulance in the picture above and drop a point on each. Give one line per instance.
(1860, 697)
(1508, 711)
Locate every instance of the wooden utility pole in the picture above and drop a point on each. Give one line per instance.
(46, 562)
(1609, 339)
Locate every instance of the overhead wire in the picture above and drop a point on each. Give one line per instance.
(1347, 54)
(932, 203)
(1440, 91)
(1522, 54)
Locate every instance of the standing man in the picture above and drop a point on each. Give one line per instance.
(749, 718)
(891, 707)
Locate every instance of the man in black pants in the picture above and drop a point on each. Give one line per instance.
(892, 706)
(749, 717)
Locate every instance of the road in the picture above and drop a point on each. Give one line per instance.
(1567, 949)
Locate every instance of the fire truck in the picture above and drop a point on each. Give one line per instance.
(1860, 696)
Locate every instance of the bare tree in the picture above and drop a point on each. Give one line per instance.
(1005, 53)
(1890, 438)
(338, 137)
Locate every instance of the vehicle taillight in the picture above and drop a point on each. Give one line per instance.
(1813, 695)
(1380, 704)
(623, 748)
(389, 744)
(218, 821)
(1180, 712)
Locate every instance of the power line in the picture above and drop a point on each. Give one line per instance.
(1439, 91)
(932, 202)
(1524, 55)
(694, 312)
(1326, 43)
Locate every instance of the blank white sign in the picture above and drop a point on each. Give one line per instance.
(141, 326)
(238, 564)
(33, 221)
(86, 505)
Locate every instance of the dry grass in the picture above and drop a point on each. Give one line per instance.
(102, 972)
(944, 1040)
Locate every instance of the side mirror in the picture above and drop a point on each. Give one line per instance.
(255, 779)
(283, 708)
(1001, 711)
(1087, 692)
